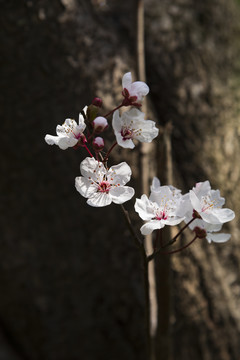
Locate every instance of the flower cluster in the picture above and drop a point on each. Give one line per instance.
(201, 208)
(100, 184)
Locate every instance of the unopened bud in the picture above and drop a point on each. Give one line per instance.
(99, 124)
(98, 144)
(200, 232)
(97, 102)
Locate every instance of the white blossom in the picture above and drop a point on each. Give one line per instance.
(131, 125)
(103, 186)
(134, 91)
(69, 133)
(208, 204)
(162, 208)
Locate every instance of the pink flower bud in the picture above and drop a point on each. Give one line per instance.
(97, 102)
(99, 124)
(98, 144)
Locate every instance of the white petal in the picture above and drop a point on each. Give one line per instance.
(121, 173)
(144, 208)
(224, 215)
(99, 200)
(63, 142)
(202, 188)
(160, 197)
(120, 194)
(209, 217)
(173, 221)
(148, 228)
(116, 122)
(195, 201)
(126, 80)
(149, 131)
(218, 238)
(90, 167)
(81, 122)
(85, 187)
(139, 89)
(127, 144)
(155, 184)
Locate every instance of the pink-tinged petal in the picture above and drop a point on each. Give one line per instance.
(126, 80)
(121, 173)
(121, 194)
(218, 238)
(144, 208)
(99, 200)
(224, 215)
(148, 228)
(91, 168)
(85, 187)
(195, 201)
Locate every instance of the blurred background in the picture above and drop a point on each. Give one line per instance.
(70, 276)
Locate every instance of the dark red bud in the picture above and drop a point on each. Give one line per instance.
(97, 102)
(200, 232)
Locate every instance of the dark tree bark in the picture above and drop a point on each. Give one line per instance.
(70, 275)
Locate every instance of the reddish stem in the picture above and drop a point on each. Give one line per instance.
(85, 146)
(109, 151)
(110, 112)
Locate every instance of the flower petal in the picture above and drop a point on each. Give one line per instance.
(144, 208)
(218, 238)
(121, 194)
(93, 169)
(85, 187)
(99, 199)
(139, 89)
(148, 228)
(121, 173)
(126, 80)
(224, 215)
(63, 142)
(195, 201)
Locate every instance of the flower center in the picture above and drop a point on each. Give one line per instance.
(161, 216)
(127, 133)
(104, 187)
(207, 203)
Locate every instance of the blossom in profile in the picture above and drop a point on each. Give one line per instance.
(163, 207)
(69, 133)
(210, 231)
(207, 204)
(132, 126)
(133, 92)
(103, 186)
